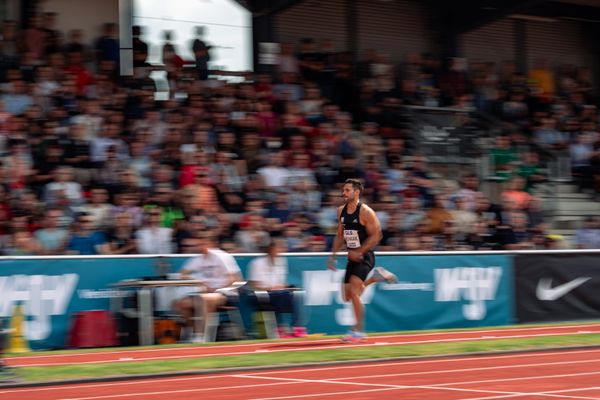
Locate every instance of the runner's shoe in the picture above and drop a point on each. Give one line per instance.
(381, 274)
(354, 337)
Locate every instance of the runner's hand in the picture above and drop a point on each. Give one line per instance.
(332, 263)
(355, 255)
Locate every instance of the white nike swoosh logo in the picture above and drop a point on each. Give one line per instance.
(546, 292)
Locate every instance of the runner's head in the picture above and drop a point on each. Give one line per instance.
(351, 190)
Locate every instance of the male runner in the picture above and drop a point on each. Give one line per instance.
(360, 230)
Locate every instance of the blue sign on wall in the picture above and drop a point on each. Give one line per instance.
(446, 291)
(433, 292)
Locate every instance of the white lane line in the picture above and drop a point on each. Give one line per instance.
(327, 394)
(219, 388)
(530, 394)
(289, 381)
(521, 378)
(554, 393)
(507, 395)
(345, 367)
(187, 348)
(111, 384)
(329, 381)
(573, 390)
(476, 369)
(280, 381)
(440, 360)
(289, 350)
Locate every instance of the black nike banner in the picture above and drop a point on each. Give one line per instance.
(557, 287)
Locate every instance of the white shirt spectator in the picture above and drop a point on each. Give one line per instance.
(154, 240)
(100, 213)
(54, 191)
(99, 147)
(92, 124)
(268, 272)
(274, 176)
(213, 268)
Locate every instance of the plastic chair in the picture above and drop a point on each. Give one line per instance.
(224, 314)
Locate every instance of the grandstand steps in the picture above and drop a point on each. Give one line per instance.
(566, 207)
(567, 196)
(576, 206)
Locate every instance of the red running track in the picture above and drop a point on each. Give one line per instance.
(567, 374)
(200, 351)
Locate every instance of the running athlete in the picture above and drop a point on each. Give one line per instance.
(359, 229)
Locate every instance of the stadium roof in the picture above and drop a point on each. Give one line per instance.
(465, 15)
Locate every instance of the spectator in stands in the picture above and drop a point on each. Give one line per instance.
(85, 240)
(274, 174)
(438, 215)
(549, 138)
(205, 195)
(518, 236)
(10, 46)
(469, 190)
(252, 236)
(515, 191)
(503, 157)
(140, 48)
(99, 208)
(35, 39)
(279, 209)
(229, 170)
(121, 237)
(53, 237)
(107, 46)
(63, 189)
(163, 199)
(18, 97)
(201, 53)
(531, 170)
(411, 214)
(588, 236)
(296, 239)
(326, 115)
(581, 152)
(463, 219)
(543, 78)
(76, 153)
(535, 213)
(154, 238)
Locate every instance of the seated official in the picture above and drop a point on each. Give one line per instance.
(217, 270)
(268, 278)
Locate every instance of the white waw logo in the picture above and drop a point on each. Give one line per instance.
(322, 287)
(42, 295)
(473, 284)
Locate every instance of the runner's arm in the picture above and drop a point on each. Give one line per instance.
(338, 241)
(373, 226)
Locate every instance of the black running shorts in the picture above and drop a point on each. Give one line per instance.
(360, 269)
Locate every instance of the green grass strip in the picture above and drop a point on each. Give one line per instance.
(50, 373)
(312, 337)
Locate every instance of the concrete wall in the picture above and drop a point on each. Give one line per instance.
(87, 15)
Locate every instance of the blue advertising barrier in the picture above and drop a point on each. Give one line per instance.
(434, 291)
(437, 291)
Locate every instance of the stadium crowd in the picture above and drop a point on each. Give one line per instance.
(92, 164)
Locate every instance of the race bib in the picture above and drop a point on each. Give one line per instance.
(352, 239)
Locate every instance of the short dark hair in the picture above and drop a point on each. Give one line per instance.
(356, 184)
